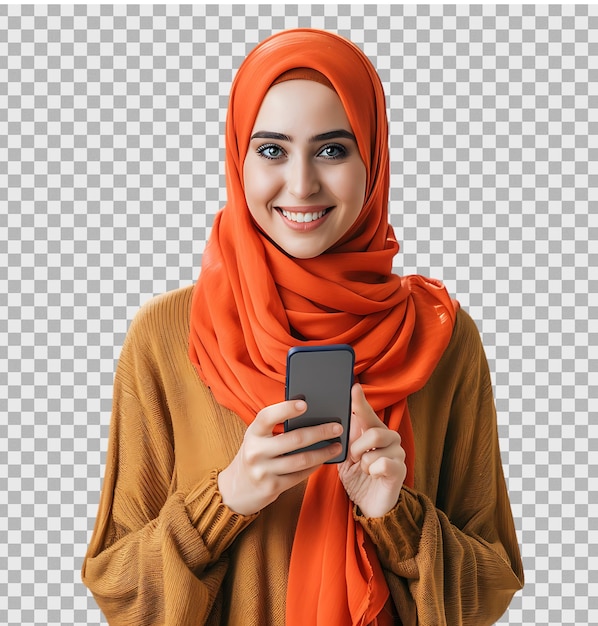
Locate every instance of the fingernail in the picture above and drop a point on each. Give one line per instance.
(337, 429)
(300, 405)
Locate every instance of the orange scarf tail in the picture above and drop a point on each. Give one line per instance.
(334, 581)
(335, 577)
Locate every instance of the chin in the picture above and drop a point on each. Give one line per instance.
(296, 250)
(301, 254)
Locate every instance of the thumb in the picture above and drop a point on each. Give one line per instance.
(363, 415)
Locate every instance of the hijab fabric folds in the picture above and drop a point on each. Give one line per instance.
(252, 302)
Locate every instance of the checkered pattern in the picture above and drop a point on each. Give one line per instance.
(111, 170)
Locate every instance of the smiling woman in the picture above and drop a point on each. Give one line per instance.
(206, 516)
(303, 175)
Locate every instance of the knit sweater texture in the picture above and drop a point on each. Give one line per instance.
(166, 550)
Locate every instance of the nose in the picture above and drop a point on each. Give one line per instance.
(302, 179)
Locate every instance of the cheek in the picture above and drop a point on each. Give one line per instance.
(259, 183)
(351, 187)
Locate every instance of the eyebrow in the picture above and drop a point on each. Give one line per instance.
(332, 134)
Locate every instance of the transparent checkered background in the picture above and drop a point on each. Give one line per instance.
(111, 170)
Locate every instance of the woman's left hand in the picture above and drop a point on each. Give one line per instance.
(374, 470)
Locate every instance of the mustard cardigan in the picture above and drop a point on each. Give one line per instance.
(165, 550)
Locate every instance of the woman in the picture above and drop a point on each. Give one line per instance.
(204, 518)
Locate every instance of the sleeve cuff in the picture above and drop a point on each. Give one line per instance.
(397, 534)
(217, 524)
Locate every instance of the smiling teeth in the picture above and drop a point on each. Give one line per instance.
(303, 217)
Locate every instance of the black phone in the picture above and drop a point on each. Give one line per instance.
(323, 377)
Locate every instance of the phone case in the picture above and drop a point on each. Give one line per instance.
(323, 377)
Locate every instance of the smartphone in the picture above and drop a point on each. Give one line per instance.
(323, 377)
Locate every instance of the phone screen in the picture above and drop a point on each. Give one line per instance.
(323, 377)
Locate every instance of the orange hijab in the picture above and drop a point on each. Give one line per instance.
(252, 301)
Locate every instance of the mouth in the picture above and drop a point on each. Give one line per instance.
(304, 216)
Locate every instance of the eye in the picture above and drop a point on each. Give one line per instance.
(333, 151)
(270, 151)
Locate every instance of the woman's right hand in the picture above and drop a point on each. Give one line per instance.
(263, 469)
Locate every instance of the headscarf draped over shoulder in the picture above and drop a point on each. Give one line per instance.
(252, 302)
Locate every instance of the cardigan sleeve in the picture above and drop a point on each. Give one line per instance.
(452, 557)
(157, 555)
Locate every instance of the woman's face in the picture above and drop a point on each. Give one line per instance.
(304, 178)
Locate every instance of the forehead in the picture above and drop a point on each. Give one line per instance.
(296, 103)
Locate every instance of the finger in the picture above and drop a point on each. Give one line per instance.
(361, 408)
(304, 462)
(287, 471)
(376, 439)
(385, 467)
(371, 459)
(269, 417)
(305, 436)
